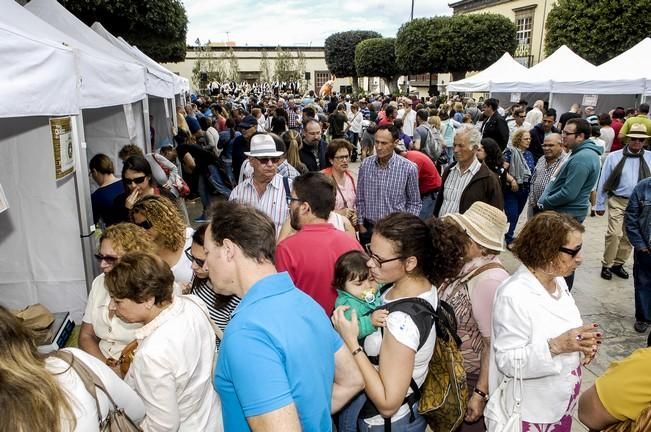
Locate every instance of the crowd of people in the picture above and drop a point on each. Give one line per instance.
(280, 310)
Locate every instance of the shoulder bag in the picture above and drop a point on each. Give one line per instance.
(503, 412)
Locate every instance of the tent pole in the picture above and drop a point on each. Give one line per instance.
(145, 114)
(84, 207)
(551, 95)
(175, 124)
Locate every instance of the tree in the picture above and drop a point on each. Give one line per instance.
(207, 70)
(340, 53)
(377, 57)
(156, 27)
(285, 68)
(301, 67)
(233, 66)
(455, 44)
(597, 31)
(265, 68)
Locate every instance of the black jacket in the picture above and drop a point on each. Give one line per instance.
(496, 128)
(537, 139)
(308, 158)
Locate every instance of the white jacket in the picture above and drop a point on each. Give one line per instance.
(525, 316)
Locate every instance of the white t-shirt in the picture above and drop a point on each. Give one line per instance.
(183, 268)
(403, 328)
(409, 123)
(82, 403)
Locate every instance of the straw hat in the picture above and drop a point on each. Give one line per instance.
(637, 130)
(262, 145)
(484, 224)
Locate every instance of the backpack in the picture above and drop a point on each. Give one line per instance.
(443, 397)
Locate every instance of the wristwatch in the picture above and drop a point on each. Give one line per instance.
(483, 395)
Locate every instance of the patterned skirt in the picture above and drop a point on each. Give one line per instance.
(565, 423)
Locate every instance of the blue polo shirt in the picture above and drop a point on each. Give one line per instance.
(279, 348)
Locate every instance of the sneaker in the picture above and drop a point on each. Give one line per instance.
(619, 271)
(606, 273)
(201, 219)
(641, 326)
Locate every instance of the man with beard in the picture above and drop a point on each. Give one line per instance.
(310, 255)
(312, 153)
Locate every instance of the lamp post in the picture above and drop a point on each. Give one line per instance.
(412, 11)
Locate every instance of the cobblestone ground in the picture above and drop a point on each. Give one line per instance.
(609, 303)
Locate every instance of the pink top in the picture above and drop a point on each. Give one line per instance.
(346, 192)
(472, 300)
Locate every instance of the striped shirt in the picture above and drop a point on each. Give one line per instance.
(385, 190)
(273, 201)
(455, 184)
(541, 177)
(220, 316)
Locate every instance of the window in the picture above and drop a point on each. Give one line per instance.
(320, 78)
(524, 30)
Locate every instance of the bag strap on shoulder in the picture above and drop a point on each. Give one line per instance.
(480, 270)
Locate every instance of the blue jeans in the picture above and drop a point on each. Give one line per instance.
(228, 165)
(349, 420)
(427, 209)
(216, 181)
(514, 203)
(642, 283)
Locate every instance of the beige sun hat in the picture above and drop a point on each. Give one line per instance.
(484, 224)
(637, 130)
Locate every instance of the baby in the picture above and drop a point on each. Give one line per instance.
(357, 288)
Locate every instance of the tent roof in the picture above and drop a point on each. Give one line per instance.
(105, 81)
(632, 67)
(44, 81)
(506, 66)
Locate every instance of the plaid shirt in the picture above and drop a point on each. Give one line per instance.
(541, 177)
(294, 120)
(384, 190)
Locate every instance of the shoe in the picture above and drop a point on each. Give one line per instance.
(641, 326)
(200, 219)
(619, 271)
(606, 273)
(593, 213)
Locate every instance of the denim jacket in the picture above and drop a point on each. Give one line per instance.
(638, 216)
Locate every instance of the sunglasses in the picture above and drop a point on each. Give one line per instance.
(265, 160)
(570, 252)
(137, 180)
(188, 255)
(110, 260)
(636, 139)
(144, 224)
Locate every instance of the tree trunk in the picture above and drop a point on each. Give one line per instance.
(392, 83)
(355, 85)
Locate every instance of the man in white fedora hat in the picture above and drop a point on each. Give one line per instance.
(266, 190)
(622, 170)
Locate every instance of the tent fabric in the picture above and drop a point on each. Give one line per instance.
(506, 68)
(104, 81)
(43, 82)
(632, 68)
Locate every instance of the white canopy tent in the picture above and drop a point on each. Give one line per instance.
(506, 68)
(632, 68)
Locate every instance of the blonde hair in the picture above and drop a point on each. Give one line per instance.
(127, 237)
(165, 218)
(293, 142)
(434, 121)
(30, 396)
(516, 139)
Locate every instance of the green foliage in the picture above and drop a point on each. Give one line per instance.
(285, 67)
(156, 27)
(454, 44)
(597, 31)
(376, 57)
(265, 67)
(213, 68)
(233, 70)
(340, 51)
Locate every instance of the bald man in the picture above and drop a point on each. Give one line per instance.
(553, 157)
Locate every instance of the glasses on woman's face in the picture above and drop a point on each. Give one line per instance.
(376, 259)
(108, 259)
(137, 180)
(188, 255)
(571, 252)
(342, 158)
(144, 224)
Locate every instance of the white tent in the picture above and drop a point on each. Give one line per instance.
(506, 68)
(631, 68)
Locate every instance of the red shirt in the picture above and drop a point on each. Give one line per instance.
(617, 126)
(309, 257)
(429, 178)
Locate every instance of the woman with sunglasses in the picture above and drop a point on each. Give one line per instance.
(220, 307)
(412, 258)
(169, 233)
(102, 334)
(537, 330)
(138, 183)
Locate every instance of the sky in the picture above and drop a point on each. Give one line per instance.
(299, 22)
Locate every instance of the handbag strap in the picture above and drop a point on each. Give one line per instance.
(88, 378)
(517, 380)
(339, 190)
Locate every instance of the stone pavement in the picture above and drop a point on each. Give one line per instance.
(608, 303)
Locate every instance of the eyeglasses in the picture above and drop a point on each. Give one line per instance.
(137, 180)
(342, 158)
(291, 198)
(636, 139)
(188, 255)
(265, 160)
(110, 260)
(376, 259)
(522, 116)
(570, 252)
(144, 224)
(564, 132)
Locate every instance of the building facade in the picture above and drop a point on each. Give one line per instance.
(529, 17)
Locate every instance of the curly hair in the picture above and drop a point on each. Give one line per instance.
(127, 237)
(516, 139)
(438, 247)
(538, 243)
(165, 218)
(139, 276)
(130, 150)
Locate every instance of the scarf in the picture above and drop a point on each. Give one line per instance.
(518, 167)
(612, 183)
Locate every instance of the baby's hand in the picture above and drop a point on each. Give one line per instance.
(379, 317)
